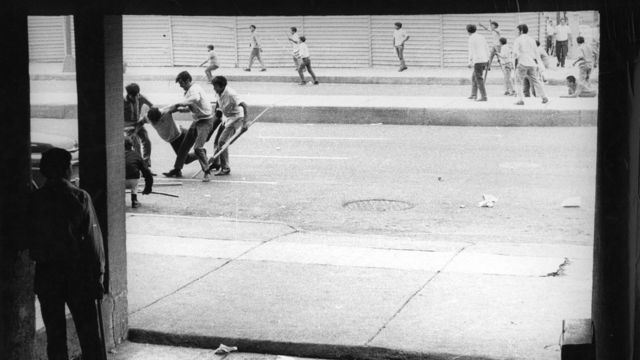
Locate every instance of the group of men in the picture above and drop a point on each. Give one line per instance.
(528, 59)
(225, 119)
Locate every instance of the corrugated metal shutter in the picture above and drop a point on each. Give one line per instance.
(456, 37)
(272, 31)
(422, 49)
(73, 39)
(46, 38)
(146, 40)
(192, 34)
(338, 41)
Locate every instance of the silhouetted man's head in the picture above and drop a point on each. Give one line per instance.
(56, 164)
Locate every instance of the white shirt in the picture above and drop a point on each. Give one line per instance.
(255, 43)
(166, 126)
(294, 46)
(213, 58)
(562, 32)
(303, 50)
(495, 34)
(198, 102)
(229, 103)
(478, 49)
(525, 50)
(399, 35)
(506, 55)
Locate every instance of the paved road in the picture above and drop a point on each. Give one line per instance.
(304, 175)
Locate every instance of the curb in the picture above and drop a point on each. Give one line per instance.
(374, 80)
(307, 350)
(387, 115)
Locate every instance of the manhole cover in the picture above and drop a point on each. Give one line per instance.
(378, 205)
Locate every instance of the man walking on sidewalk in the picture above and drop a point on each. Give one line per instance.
(528, 60)
(197, 102)
(478, 58)
(65, 241)
(213, 62)
(305, 62)
(400, 37)
(563, 37)
(256, 49)
(234, 112)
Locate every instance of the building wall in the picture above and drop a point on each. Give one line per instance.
(333, 41)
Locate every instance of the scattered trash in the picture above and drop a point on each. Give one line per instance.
(440, 178)
(462, 206)
(207, 195)
(572, 202)
(224, 349)
(277, 147)
(561, 269)
(488, 201)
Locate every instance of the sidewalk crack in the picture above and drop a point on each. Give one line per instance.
(412, 296)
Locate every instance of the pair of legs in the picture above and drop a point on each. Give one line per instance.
(400, 53)
(531, 74)
(225, 133)
(548, 46)
(508, 80)
(494, 53)
(305, 63)
(562, 48)
(201, 129)
(175, 144)
(208, 71)
(584, 74)
(57, 287)
(255, 54)
(477, 81)
(132, 184)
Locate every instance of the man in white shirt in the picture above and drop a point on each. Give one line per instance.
(305, 62)
(528, 60)
(295, 41)
(256, 49)
(197, 102)
(213, 62)
(563, 37)
(400, 37)
(478, 58)
(584, 61)
(233, 111)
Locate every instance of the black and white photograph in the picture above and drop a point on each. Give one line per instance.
(200, 180)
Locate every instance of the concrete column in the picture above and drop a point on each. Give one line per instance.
(100, 111)
(616, 296)
(17, 322)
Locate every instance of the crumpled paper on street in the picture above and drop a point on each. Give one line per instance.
(224, 349)
(488, 201)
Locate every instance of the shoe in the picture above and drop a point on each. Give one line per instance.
(482, 99)
(134, 201)
(135, 204)
(316, 83)
(507, 93)
(207, 176)
(247, 69)
(302, 83)
(545, 100)
(222, 172)
(263, 69)
(472, 97)
(173, 173)
(520, 103)
(403, 68)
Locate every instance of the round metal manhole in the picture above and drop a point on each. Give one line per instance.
(378, 205)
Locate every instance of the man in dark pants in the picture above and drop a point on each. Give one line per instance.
(478, 59)
(563, 38)
(133, 102)
(66, 243)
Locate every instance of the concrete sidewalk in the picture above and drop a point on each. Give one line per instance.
(269, 288)
(377, 75)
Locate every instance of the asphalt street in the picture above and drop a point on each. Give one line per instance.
(307, 175)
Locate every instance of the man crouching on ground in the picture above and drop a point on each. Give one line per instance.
(234, 112)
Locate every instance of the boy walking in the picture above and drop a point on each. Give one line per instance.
(478, 58)
(133, 167)
(506, 59)
(400, 37)
(213, 62)
(305, 62)
(256, 49)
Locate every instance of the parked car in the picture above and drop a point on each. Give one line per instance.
(41, 142)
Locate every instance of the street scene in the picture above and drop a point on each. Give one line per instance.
(416, 208)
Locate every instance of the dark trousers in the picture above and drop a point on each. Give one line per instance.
(562, 48)
(175, 144)
(527, 89)
(54, 289)
(306, 63)
(477, 80)
(549, 44)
